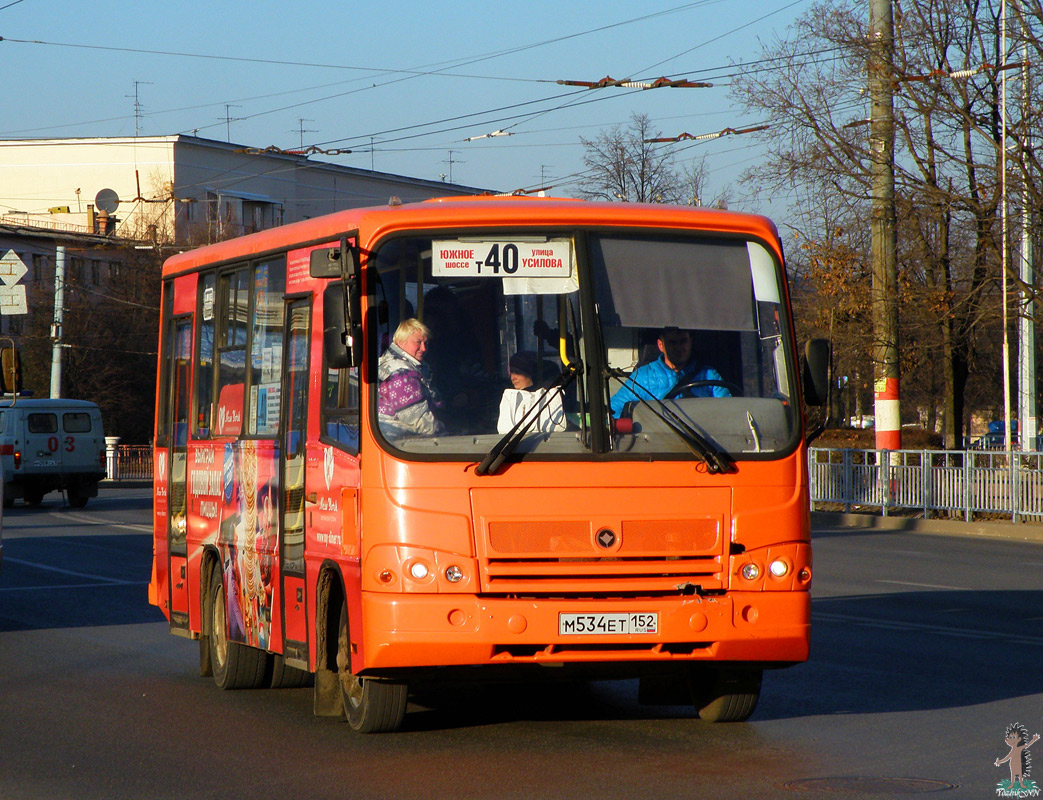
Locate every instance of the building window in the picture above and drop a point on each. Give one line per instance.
(39, 266)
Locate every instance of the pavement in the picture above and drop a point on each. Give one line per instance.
(986, 529)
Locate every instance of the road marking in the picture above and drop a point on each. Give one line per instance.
(61, 571)
(944, 630)
(62, 586)
(927, 585)
(93, 520)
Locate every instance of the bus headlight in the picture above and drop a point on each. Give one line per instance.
(419, 570)
(750, 571)
(778, 568)
(454, 574)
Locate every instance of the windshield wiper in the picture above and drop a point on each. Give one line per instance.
(716, 460)
(503, 449)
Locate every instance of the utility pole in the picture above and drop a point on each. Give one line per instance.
(1027, 406)
(883, 227)
(56, 328)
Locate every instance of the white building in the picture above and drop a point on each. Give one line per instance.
(182, 190)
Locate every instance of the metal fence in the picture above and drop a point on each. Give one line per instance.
(942, 483)
(949, 483)
(129, 462)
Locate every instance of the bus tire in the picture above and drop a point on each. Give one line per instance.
(235, 665)
(33, 496)
(371, 705)
(287, 677)
(726, 695)
(77, 499)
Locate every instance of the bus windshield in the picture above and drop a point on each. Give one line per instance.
(682, 336)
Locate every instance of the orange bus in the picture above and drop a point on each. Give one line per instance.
(396, 444)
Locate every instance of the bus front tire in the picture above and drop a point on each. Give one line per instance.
(371, 705)
(235, 665)
(726, 695)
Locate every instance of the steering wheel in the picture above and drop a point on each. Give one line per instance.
(679, 391)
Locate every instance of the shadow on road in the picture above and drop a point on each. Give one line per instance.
(912, 651)
(76, 581)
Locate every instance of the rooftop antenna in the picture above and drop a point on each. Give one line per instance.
(228, 120)
(450, 162)
(302, 130)
(138, 110)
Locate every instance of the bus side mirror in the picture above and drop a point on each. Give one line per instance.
(815, 372)
(326, 262)
(341, 336)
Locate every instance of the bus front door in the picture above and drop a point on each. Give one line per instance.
(177, 515)
(294, 426)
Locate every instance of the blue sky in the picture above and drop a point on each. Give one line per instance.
(401, 83)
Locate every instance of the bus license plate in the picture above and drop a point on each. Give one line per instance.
(608, 624)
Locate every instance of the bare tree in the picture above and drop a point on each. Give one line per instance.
(623, 165)
(947, 168)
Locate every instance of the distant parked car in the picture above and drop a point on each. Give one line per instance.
(993, 440)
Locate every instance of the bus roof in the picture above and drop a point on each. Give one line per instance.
(463, 212)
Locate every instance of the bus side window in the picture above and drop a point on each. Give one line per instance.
(204, 382)
(266, 342)
(231, 353)
(340, 408)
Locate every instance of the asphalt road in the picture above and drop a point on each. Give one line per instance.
(925, 648)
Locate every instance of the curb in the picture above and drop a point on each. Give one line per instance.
(1008, 531)
(127, 484)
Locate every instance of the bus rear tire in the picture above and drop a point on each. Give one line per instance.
(726, 695)
(235, 665)
(77, 499)
(371, 705)
(286, 677)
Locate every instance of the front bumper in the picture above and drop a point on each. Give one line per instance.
(402, 631)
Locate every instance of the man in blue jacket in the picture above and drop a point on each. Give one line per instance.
(674, 367)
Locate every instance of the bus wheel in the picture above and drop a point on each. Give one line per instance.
(726, 695)
(371, 705)
(77, 499)
(33, 497)
(287, 677)
(235, 665)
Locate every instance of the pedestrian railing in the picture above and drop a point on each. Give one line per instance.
(130, 462)
(949, 483)
(941, 483)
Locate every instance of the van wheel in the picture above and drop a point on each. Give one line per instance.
(235, 665)
(371, 705)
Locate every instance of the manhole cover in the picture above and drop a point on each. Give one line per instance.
(888, 786)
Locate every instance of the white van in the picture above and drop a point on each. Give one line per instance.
(49, 445)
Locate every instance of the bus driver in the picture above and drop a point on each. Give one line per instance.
(674, 367)
(407, 398)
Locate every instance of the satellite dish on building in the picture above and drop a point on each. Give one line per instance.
(107, 200)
